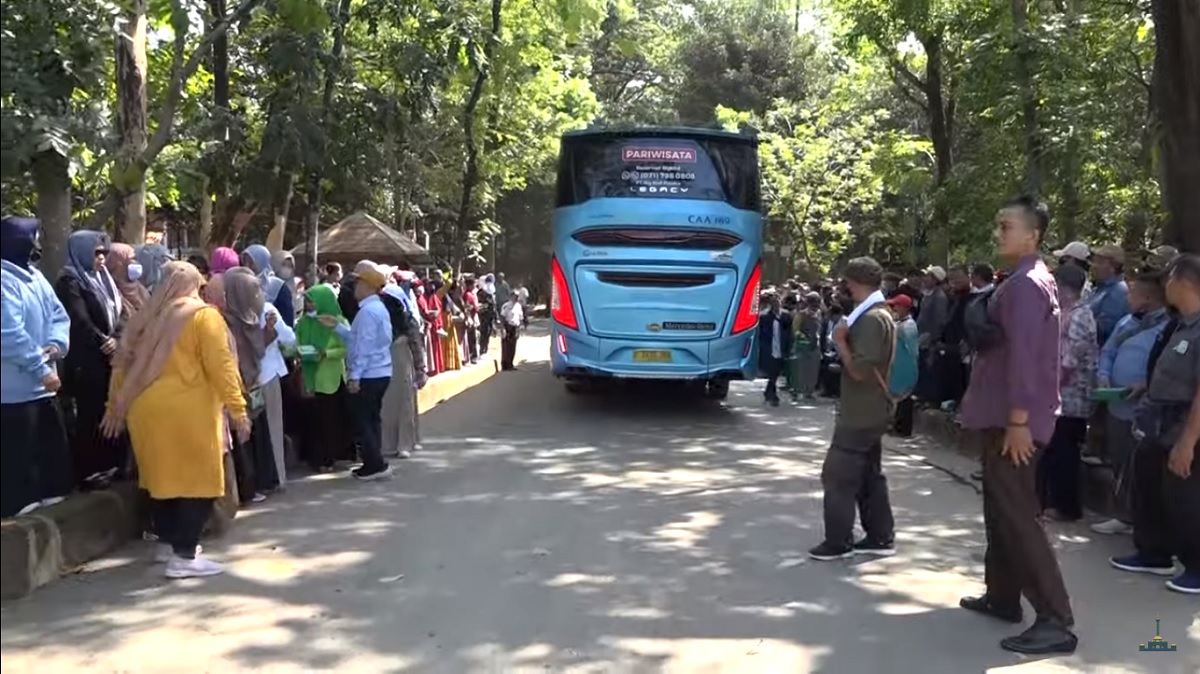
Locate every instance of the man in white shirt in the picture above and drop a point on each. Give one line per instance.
(774, 345)
(512, 315)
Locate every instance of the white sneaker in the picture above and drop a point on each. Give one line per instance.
(199, 567)
(53, 500)
(403, 454)
(29, 508)
(385, 474)
(164, 553)
(1112, 528)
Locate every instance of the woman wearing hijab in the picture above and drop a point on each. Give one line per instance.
(173, 376)
(126, 271)
(154, 258)
(451, 347)
(284, 266)
(222, 260)
(94, 305)
(35, 462)
(430, 308)
(258, 259)
(243, 310)
(323, 373)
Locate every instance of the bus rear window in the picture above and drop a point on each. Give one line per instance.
(673, 168)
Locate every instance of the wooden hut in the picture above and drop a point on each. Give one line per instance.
(362, 237)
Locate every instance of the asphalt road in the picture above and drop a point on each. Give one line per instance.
(631, 532)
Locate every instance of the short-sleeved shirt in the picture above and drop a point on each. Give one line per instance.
(1177, 372)
(865, 405)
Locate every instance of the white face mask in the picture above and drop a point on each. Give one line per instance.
(135, 271)
(310, 314)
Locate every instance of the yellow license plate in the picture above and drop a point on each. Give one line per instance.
(651, 356)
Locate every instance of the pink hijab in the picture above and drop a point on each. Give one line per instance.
(222, 260)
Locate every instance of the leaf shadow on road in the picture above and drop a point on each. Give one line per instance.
(635, 531)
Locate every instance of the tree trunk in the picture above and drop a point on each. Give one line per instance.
(52, 180)
(1071, 202)
(941, 134)
(281, 203)
(1029, 98)
(470, 176)
(130, 225)
(206, 213)
(1177, 87)
(316, 174)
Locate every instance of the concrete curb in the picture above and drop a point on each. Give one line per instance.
(51, 542)
(1096, 483)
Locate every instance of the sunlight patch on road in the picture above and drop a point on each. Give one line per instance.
(687, 533)
(637, 613)
(569, 579)
(717, 656)
(284, 569)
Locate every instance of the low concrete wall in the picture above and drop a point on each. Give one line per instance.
(1095, 482)
(41, 546)
(51, 542)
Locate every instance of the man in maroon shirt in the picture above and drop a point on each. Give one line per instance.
(1012, 402)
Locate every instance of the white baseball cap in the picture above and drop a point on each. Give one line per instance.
(937, 272)
(1076, 249)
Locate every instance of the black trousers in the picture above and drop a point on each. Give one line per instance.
(1058, 468)
(180, 521)
(473, 343)
(1166, 507)
(91, 452)
(1019, 559)
(327, 423)
(772, 368)
(366, 408)
(486, 328)
(262, 454)
(508, 346)
(903, 421)
(852, 477)
(35, 462)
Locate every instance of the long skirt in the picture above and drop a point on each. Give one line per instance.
(400, 430)
(273, 398)
(436, 361)
(92, 454)
(451, 350)
(327, 437)
(35, 462)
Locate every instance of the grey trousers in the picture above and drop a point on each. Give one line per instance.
(401, 432)
(1120, 446)
(853, 478)
(273, 399)
(808, 368)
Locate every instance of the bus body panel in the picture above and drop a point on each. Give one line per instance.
(655, 282)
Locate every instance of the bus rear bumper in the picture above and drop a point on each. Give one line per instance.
(577, 355)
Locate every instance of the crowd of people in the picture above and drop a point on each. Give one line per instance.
(197, 376)
(1039, 361)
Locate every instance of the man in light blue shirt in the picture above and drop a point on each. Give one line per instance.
(1110, 298)
(368, 368)
(1124, 363)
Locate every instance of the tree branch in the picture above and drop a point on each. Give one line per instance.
(166, 116)
(906, 74)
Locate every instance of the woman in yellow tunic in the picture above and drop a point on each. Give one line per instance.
(173, 375)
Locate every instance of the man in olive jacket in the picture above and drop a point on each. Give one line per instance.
(852, 475)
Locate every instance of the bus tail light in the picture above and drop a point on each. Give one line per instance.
(561, 308)
(747, 313)
(562, 343)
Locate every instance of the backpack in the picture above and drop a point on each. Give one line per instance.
(903, 362)
(981, 332)
(403, 322)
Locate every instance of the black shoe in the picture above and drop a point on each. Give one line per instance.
(977, 476)
(869, 547)
(1044, 637)
(774, 402)
(983, 604)
(827, 552)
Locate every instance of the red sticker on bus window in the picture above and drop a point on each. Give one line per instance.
(673, 154)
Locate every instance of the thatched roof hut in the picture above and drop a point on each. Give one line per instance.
(362, 237)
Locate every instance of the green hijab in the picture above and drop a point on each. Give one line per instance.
(325, 375)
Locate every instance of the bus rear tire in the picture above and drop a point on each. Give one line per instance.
(718, 389)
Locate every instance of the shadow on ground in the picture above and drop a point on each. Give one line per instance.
(638, 531)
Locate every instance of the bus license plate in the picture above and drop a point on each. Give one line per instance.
(646, 356)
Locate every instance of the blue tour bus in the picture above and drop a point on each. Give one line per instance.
(656, 268)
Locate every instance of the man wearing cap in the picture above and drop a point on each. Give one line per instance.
(1158, 259)
(906, 331)
(1076, 253)
(368, 367)
(1110, 298)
